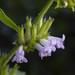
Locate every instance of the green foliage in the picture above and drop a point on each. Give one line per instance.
(15, 68)
(4, 69)
(2, 58)
(44, 28)
(65, 3)
(20, 35)
(6, 20)
(17, 72)
(28, 29)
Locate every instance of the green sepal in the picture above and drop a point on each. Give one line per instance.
(28, 48)
(20, 35)
(34, 33)
(45, 36)
(42, 29)
(33, 37)
(6, 20)
(40, 24)
(28, 29)
(50, 21)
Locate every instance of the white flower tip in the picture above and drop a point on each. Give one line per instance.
(63, 37)
(20, 48)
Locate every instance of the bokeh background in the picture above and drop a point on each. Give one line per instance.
(62, 62)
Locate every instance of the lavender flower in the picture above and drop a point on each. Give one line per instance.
(43, 51)
(57, 42)
(46, 49)
(47, 46)
(19, 56)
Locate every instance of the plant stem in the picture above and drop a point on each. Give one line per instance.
(42, 13)
(9, 56)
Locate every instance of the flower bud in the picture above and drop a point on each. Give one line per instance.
(64, 4)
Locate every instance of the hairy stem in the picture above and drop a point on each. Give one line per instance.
(42, 13)
(9, 56)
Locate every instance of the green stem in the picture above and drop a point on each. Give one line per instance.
(9, 56)
(44, 10)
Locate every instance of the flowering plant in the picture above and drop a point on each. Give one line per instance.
(36, 36)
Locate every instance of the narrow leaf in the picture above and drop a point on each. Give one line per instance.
(6, 20)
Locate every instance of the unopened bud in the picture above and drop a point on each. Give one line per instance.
(64, 4)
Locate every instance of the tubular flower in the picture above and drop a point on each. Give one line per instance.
(19, 56)
(43, 51)
(46, 47)
(57, 42)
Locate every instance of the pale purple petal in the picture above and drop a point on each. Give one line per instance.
(53, 48)
(20, 48)
(19, 56)
(52, 40)
(38, 47)
(63, 37)
(14, 59)
(43, 51)
(56, 41)
(25, 60)
(44, 42)
(22, 53)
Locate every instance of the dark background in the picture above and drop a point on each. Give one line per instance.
(62, 62)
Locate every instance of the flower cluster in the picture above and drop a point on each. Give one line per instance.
(49, 45)
(45, 48)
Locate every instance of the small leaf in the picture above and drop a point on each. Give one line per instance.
(6, 20)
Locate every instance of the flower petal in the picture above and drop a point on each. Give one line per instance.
(14, 59)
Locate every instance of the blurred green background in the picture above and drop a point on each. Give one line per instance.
(62, 62)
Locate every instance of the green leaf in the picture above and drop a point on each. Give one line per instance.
(6, 20)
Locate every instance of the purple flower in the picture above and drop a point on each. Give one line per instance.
(43, 51)
(19, 56)
(57, 42)
(46, 48)
(47, 44)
